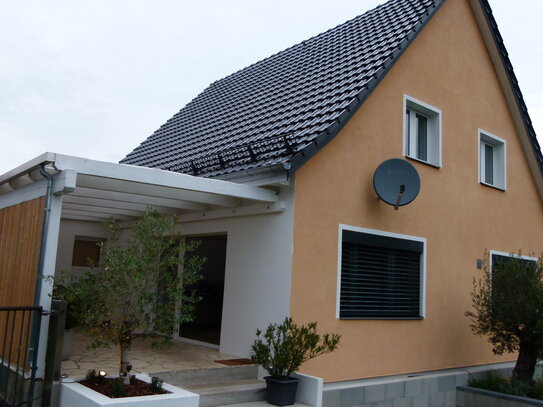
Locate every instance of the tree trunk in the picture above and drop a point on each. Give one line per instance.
(124, 367)
(526, 361)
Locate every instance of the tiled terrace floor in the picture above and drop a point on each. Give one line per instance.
(178, 356)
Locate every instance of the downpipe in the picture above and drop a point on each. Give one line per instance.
(44, 231)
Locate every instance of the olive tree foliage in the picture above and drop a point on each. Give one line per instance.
(138, 286)
(508, 308)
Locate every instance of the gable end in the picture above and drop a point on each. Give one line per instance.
(332, 131)
(506, 75)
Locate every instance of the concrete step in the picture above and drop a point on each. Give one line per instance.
(220, 394)
(219, 386)
(209, 376)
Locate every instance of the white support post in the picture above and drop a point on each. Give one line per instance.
(48, 270)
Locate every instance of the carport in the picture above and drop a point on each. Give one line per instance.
(37, 195)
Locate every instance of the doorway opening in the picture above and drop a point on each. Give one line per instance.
(206, 326)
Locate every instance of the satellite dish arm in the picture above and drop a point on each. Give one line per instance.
(399, 199)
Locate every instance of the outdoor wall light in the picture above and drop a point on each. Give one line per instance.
(102, 373)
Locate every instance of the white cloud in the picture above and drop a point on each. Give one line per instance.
(96, 78)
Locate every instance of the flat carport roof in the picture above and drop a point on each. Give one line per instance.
(96, 190)
(90, 190)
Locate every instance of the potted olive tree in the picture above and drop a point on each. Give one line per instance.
(282, 349)
(507, 306)
(138, 287)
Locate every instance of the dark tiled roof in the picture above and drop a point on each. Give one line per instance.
(281, 109)
(513, 82)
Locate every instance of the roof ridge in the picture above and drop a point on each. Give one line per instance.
(513, 81)
(300, 43)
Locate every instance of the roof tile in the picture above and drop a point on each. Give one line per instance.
(278, 110)
(297, 93)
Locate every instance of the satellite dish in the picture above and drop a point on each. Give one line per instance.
(396, 182)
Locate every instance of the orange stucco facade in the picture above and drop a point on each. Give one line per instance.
(447, 66)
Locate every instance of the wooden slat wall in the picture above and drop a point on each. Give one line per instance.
(15, 329)
(20, 240)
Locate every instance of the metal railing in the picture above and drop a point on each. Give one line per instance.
(19, 337)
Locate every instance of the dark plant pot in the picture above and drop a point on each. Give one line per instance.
(281, 392)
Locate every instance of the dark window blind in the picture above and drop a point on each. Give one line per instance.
(380, 282)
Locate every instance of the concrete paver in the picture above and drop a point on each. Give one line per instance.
(177, 356)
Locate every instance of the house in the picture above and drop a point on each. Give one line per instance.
(429, 81)
(272, 169)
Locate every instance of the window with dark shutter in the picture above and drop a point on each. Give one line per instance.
(380, 277)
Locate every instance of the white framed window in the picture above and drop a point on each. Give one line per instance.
(492, 160)
(422, 131)
(497, 256)
(381, 275)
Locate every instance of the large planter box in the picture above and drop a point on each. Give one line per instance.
(472, 397)
(75, 394)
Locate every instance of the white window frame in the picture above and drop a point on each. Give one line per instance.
(507, 254)
(499, 146)
(434, 133)
(422, 240)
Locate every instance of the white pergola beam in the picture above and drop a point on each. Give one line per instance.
(105, 203)
(138, 199)
(153, 176)
(101, 209)
(82, 217)
(132, 187)
(249, 210)
(98, 215)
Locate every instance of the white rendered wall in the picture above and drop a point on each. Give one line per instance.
(258, 268)
(258, 272)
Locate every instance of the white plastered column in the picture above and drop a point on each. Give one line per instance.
(50, 255)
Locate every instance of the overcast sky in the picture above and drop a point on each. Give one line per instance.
(95, 78)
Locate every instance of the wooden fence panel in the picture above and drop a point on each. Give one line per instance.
(20, 241)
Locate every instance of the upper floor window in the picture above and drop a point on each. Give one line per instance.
(422, 131)
(492, 169)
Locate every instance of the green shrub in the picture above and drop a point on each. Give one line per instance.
(285, 347)
(536, 391)
(507, 304)
(494, 381)
(93, 377)
(156, 384)
(116, 387)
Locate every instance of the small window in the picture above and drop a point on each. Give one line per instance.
(381, 275)
(500, 258)
(492, 160)
(422, 132)
(86, 251)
